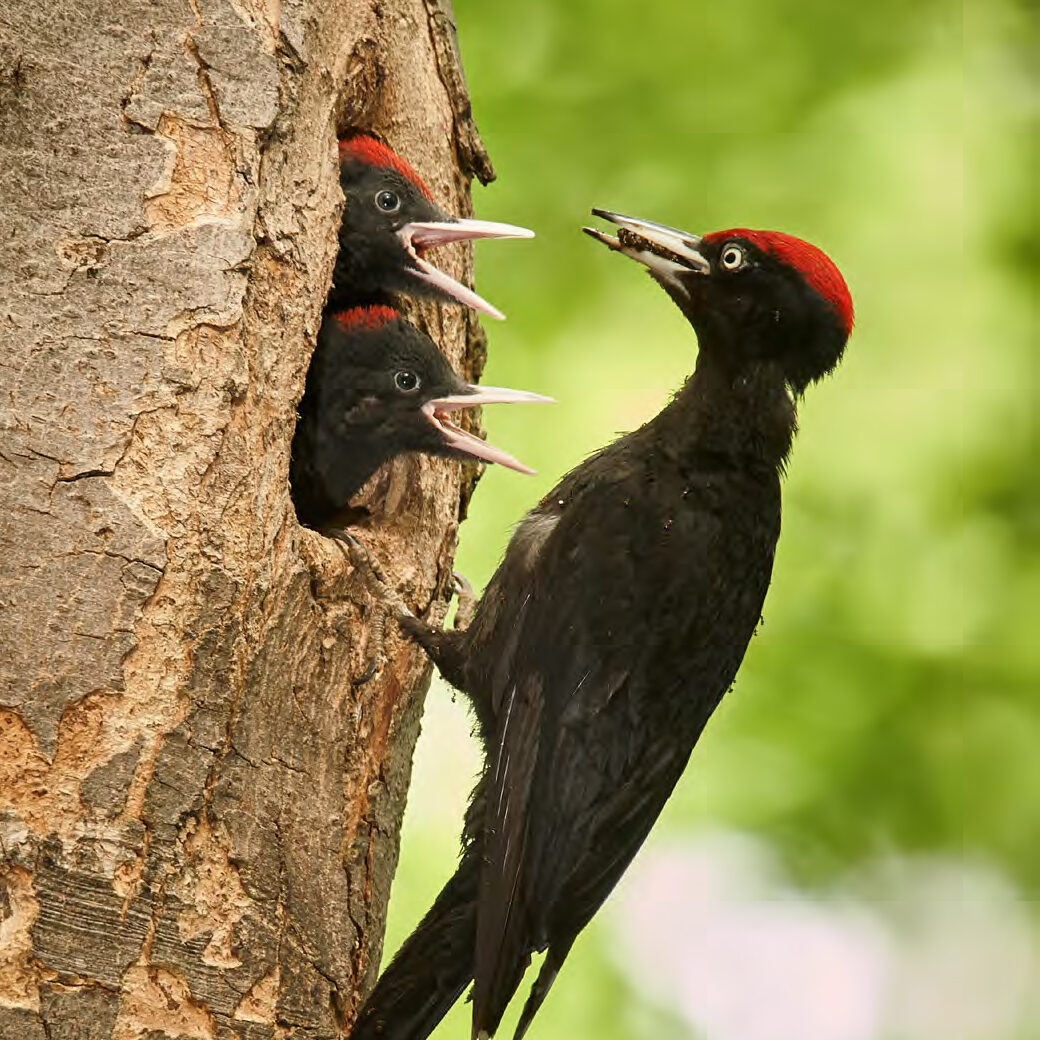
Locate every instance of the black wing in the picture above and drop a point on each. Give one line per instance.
(596, 720)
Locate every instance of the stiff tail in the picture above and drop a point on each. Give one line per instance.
(431, 969)
(540, 990)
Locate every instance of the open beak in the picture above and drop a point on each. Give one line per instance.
(421, 235)
(457, 439)
(665, 251)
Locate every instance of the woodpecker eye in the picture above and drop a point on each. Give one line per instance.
(388, 201)
(407, 382)
(732, 258)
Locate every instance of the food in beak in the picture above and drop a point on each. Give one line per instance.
(665, 250)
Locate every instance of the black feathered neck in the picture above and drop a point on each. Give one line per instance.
(744, 415)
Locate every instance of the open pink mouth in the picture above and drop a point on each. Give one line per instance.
(420, 236)
(438, 412)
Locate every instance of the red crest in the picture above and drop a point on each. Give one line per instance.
(813, 264)
(364, 318)
(368, 150)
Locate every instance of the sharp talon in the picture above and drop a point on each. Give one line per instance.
(337, 534)
(367, 675)
(467, 601)
(356, 553)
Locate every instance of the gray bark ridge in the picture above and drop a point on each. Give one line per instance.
(199, 810)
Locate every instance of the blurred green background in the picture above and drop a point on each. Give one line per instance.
(886, 722)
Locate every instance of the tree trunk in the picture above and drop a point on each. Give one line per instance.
(199, 810)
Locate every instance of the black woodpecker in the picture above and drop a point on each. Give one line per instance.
(377, 387)
(389, 222)
(615, 623)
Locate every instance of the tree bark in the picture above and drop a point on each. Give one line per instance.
(199, 810)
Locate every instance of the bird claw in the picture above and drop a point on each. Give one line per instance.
(387, 600)
(358, 555)
(467, 601)
(372, 669)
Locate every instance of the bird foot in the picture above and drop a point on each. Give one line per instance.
(388, 602)
(467, 601)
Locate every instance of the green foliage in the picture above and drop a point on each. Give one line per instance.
(889, 702)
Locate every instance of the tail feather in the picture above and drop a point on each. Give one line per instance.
(432, 968)
(540, 990)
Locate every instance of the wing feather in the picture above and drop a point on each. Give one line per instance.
(597, 716)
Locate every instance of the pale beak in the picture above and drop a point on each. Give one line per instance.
(421, 235)
(665, 251)
(455, 437)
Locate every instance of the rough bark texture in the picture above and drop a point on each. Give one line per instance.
(198, 810)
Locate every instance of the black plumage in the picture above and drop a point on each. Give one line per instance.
(389, 222)
(377, 388)
(614, 625)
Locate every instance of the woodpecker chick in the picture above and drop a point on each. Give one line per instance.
(614, 625)
(389, 222)
(377, 387)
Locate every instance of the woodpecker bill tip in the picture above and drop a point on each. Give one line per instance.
(428, 233)
(665, 251)
(601, 236)
(437, 413)
(477, 394)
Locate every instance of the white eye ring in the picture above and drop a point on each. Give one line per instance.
(407, 381)
(732, 258)
(387, 201)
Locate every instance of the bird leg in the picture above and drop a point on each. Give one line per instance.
(441, 646)
(445, 648)
(388, 602)
(378, 658)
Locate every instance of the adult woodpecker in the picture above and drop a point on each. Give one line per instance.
(615, 623)
(377, 387)
(389, 222)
